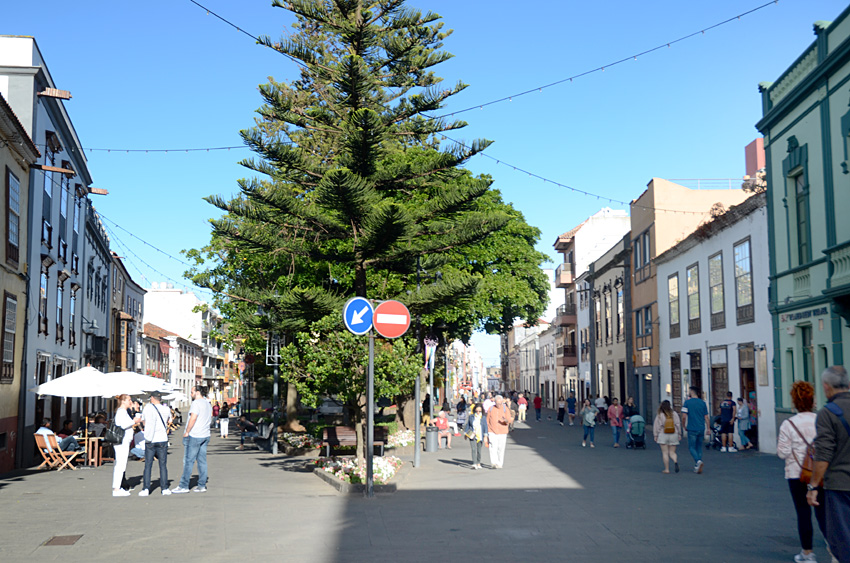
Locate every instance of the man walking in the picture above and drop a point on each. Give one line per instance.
(571, 407)
(155, 418)
(538, 405)
(195, 440)
(832, 461)
(499, 419)
(728, 412)
(695, 420)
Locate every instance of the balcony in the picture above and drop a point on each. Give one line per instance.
(566, 315)
(564, 275)
(567, 356)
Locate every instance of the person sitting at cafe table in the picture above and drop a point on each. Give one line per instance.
(68, 444)
(67, 429)
(98, 427)
(138, 447)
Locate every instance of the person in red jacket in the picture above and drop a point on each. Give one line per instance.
(538, 404)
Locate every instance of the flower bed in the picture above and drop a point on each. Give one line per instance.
(348, 470)
(400, 439)
(300, 441)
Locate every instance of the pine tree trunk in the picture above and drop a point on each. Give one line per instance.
(292, 422)
(405, 415)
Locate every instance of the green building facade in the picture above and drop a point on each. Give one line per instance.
(806, 128)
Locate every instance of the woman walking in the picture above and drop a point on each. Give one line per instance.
(476, 432)
(743, 416)
(795, 435)
(522, 402)
(122, 450)
(667, 430)
(223, 420)
(562, 409)
(588, 421)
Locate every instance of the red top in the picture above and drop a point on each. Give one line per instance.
(538, 402)
(522, 401)
(441, 423)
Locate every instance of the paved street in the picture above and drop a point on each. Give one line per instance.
(553, 500)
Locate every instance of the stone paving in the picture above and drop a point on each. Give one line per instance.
(553, 500)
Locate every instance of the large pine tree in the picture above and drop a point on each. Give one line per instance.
(354, 188)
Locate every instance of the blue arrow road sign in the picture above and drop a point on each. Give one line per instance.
(357, 315)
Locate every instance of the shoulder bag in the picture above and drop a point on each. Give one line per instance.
(114, 434)
(808, 465)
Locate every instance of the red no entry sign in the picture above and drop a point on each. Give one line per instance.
(392, 319)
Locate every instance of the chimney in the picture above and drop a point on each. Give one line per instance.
(755, 157)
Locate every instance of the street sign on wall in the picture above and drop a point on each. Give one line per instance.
(357, 315)
(391, 319)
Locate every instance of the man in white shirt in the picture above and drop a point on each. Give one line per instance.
(488, 402)
(196, 437)
(155, 417)
(68, 444)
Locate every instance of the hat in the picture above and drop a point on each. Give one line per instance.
(156, 394)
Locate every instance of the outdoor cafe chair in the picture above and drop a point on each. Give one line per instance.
(66, 457)
(51, 460)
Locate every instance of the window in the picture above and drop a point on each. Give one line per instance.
(75, 263)
(10, 323)
(13, 217)
(743, 283)
(42, 302)
(621, 321)
(609, 329)
(63, 198)
(715, 290)
(60, 293)
(646, 252)
(673, 304)
(638, 260)
(598, 320)
(693, 292)
(804, 251)
(72, 314)
(642, 256)
(49, 160)
(692, 275)
(46, 232)
(647, 320)
(77, 204)
(63, 250)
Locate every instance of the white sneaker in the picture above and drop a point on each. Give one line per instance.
(723, 449)
(731, 449)
(583, 444)
(166, 492)
(120, 493)
(144, 493)
(800, 557)
(179, 490)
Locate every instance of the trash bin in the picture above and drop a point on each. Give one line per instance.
(432, 438)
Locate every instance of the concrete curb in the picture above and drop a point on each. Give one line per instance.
(360, 488)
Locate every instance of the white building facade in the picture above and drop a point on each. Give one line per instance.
(714, 321)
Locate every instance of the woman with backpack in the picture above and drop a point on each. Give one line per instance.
(588, 421)
(796, 436)
(667, 430)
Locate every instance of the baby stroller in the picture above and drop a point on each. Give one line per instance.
(636, 432)
(716, 443)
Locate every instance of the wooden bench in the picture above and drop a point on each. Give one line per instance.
(338, 436)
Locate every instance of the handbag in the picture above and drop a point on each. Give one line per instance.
(114, 434)
(808, 465)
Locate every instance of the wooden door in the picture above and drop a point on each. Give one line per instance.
(719, 387)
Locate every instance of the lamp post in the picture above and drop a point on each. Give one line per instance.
(273, 359)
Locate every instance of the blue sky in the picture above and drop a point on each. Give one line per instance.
(165, 75)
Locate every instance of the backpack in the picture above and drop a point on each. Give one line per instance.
(669, 425)
(808, 464)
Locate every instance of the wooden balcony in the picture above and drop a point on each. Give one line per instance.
(564, 276)
(567, 356)
(566, 315)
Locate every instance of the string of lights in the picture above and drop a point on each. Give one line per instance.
(178, 260)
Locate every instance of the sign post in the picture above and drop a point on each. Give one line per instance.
(391, 319)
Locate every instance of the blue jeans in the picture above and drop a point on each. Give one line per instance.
(589, 431)
(695, 440)
(538, 413)
(247, 435)
(160, 451)
(615, 430)
(744, 440)
(69, 444)
(195, 449)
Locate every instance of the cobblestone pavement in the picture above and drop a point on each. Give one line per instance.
(554, 500)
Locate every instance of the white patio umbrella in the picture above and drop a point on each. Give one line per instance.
(176, 396)
(121, 380)
(84, 382)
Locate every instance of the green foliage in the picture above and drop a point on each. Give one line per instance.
(329, 360)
